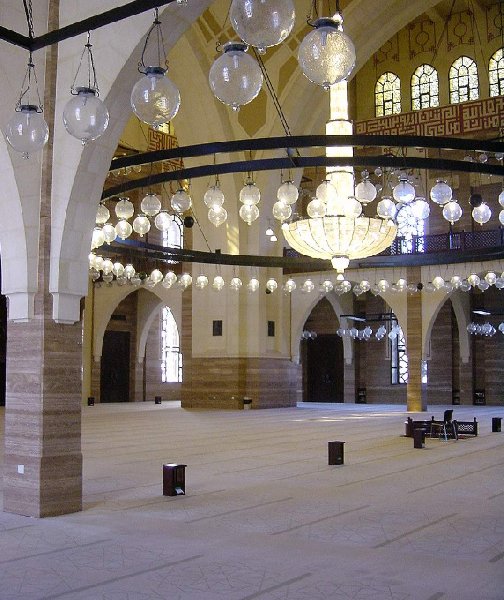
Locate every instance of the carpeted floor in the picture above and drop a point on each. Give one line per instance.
(264, 515)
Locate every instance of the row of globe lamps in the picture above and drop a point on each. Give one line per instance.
(485, 329)
(107, 270)
(403, 193)
(326, 56)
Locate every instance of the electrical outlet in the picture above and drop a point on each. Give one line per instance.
(21, 469)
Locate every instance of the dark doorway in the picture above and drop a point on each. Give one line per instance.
(115, 367)
(324, 369)
(3, 347)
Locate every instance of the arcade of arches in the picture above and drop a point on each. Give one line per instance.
(64, 339)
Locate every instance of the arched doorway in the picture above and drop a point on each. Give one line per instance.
(322, 356)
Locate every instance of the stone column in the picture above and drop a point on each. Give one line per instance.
(43, 459)
(416, 392)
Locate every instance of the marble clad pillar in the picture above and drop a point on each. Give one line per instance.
(416, 392)
(43, 459)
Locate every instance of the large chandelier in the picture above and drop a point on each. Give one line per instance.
(335, 229)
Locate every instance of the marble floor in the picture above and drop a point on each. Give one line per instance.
(264, 516)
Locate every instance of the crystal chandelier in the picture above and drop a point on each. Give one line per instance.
(334, 229)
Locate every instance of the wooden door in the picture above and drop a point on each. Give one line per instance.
(115, 367)
(324, 370)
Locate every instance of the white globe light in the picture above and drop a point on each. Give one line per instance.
(118, 269)
(163, 221)
(326, 192)
(501, 217)
(108, 266)
(316, 208)
(250, 194)
(386, 209)
(213, 197)
(281, 211)
(201, 282)
(456, 281)
(452, 211)
(181, 201)
(141, 225)
(218, 283)
(308, 286)
(156, 276)
(473, 279)
(129, 270)
(253, 285)
(483, 285)
(327, 286)
(352, 208)
(217, 215)
(326, 55)
(365, 191)
(290, 285)
(438, 282)
(150, 205)
(441, 193)
(249, 213)
(501, 198)
(235, 77)
(102, 214)
(109, 233)
(420, 208)
(185, 280)
(26, 131)
(97, 238)
(124, 209)
(404, 192)
(98, 263)
(482, 213)
(383, 285)
(169, 279)
(85, 116)
(123, 229)
(491, 278)
(271, 285)
(235, 284)
(262, 23)
(287, 193)
(154, 98)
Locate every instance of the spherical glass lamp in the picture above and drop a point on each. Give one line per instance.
(201, 282)
(452, 211)
(98, 239)
(271, 285)
(154, 98)
(235, 77)
(365, 191)
(287, 193)
(108, 266)
(501, 198)
(404, 192)
(85, 116)
(326, 192)
(290, 285)
(129, 271)
(98, 263)
(262, 23)
(326, 55)
(491, 278)
(156, 276)
(483, 285)
(109, 233)
(250, 194)
(218, 283)
(217, 215)
(383, 285)
(386, 209)
(456, 281)
(169, 279)
(150, 205)
(141, 225)
(441, 193)
(482, 213)
(420, 208)
(249, 213)
(316, 208)
(124, 209)
(163, 221)
(438, 282)
(281, 211)
(181, 201)
(185, 280)
(102, 214)
(308, 286)
(235, 284)
(473, 279)
(123, 229)
(213, 197)
(118, 269)
(327, 286)
(26, 131)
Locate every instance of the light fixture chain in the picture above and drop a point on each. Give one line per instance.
(160, 45)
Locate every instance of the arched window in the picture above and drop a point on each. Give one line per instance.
(173, 237)
(424, 88)
(464, 84)
(496, 73)
(388, 95)
(171, 357)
